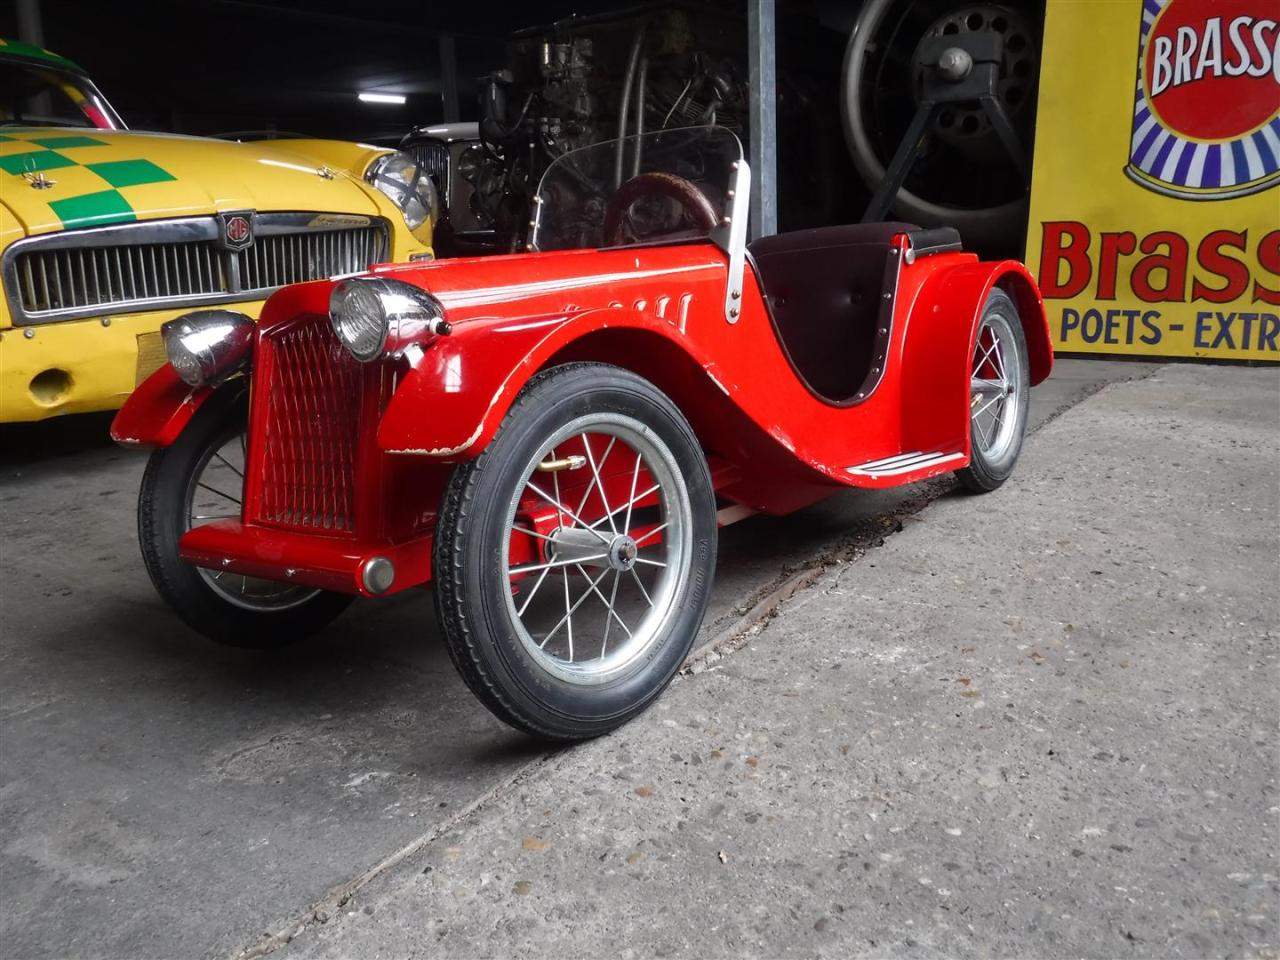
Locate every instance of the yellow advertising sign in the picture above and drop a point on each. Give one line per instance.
(1155, 208)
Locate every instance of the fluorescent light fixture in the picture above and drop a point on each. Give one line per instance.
(397, 98)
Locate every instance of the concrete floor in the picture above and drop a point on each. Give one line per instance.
(1040, 724)
(161, 796)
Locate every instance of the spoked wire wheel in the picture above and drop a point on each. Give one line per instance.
(999, 394)
(599, 585)
(574, 557)
(216, 493)
(200, 480)
(994, 399)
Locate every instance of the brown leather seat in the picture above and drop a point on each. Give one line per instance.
(823, 290)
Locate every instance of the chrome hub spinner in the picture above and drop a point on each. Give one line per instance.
(592, 549)
(623, 552)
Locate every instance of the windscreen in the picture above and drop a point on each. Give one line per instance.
(660, 187)
(37, 96)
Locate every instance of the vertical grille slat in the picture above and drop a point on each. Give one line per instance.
(133, 281)
(82, 291)
(56, 301)
(44, 284)
(29, 288)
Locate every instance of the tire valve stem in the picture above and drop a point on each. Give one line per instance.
(575, 462)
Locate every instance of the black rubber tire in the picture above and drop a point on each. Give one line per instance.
(469, 588)
(983, 474)
(162, 505)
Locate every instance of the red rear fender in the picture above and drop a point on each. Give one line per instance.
(938, 347)
(1022, 287)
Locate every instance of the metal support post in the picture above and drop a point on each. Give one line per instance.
(449, 78)
(30, 25)
(762, 80)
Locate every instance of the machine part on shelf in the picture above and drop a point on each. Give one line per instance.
(583, 79)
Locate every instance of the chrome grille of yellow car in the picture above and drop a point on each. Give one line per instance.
(296, 257)
(181, 263)
(52, 281)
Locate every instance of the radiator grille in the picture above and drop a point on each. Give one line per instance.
(274, 261)
(432, 157)
(51, 280)
(312, 429)
(166, 264)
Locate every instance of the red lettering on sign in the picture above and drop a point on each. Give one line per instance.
(1161, 275)
(1173, 263)
(1065, 242)
(1209, 255)
(1113, 246)
(1269, 257)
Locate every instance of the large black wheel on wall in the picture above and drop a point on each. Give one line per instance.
(596, 484)
(963, 176)
(198, 480)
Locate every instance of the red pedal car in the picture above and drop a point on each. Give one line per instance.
(552, 439)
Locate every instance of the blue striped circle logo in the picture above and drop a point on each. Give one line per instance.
(1206, 119)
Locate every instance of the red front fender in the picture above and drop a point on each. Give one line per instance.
(451, 403)
(158, 410)
(163, 404)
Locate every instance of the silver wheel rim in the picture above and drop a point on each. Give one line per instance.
(603, 581)
(216, 492)
(994, 398)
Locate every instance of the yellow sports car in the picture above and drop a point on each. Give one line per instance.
(105, 233)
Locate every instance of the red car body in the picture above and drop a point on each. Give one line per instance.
(348, 461)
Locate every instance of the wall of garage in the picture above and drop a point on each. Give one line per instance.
(217, 66)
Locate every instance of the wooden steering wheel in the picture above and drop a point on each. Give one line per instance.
(684, 192)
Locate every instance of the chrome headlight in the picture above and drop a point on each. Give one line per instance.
(377, 315)
(207, 345)
(405, 181)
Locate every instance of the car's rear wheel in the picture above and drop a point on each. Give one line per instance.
(999, 395)
(199, 480)
(574, 557)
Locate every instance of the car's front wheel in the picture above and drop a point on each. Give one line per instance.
(574, 557)
(199, 480)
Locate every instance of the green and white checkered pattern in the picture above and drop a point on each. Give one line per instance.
(32, 151)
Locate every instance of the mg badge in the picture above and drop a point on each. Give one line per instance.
(236, 229)
(1206, 125)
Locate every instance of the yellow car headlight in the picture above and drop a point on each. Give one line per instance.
(407, 185)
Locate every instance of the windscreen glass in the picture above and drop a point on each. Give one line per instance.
(660, 187)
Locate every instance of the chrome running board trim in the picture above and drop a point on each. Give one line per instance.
(903, 463)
